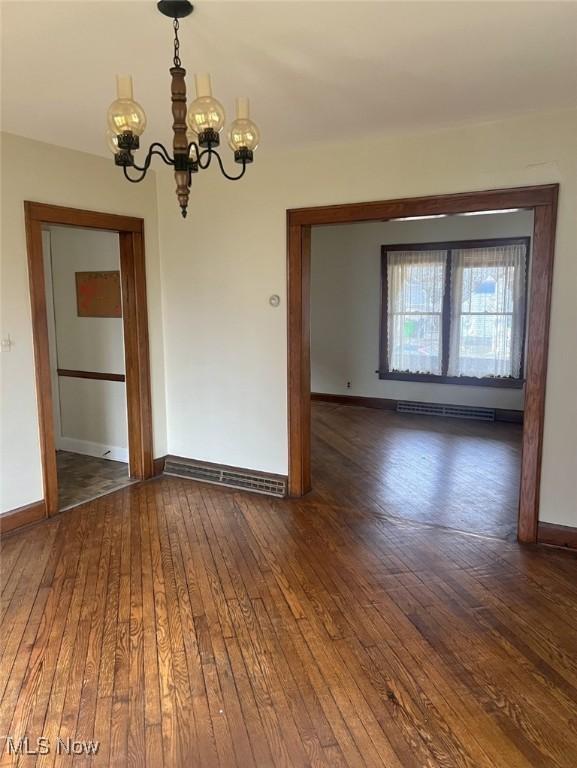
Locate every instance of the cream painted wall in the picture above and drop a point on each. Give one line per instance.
(225, 346)
(92, 417)
(346, 298)
(224, 356)
(84, 343)
(48, 174)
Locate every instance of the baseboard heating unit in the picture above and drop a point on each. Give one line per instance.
(230, 477)
(453, 411)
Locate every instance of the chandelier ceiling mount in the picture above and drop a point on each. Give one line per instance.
(175, 9)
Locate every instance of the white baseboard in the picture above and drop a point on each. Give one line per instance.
(112, 452)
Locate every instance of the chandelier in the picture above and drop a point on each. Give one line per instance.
(193, 151)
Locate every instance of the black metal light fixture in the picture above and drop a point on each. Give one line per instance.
(192, 151)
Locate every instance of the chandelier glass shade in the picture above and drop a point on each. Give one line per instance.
(196, 128)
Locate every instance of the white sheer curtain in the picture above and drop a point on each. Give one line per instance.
(416, 281)
(488, 311)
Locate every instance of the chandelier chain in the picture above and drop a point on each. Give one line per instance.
(176, 59)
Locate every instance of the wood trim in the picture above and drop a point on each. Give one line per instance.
(137, 363)
(545, 219)
(448, 246)
(384, 210)
(387, 404)
(91, 375)
(384, 312)
(299, 357)
(445, 317)
(158, 465)
(76, 217)
(543, 200)
(17, 518)
(381, 403)
(135, 320)
(41, 356)
(467, 381)
(557, 535)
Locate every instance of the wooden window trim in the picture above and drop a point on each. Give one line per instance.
(449, 246)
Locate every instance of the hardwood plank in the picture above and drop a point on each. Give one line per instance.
(78, 717)
(180, 624)
(42, 665)
(176, 594)
(66, 686)
(163, 645)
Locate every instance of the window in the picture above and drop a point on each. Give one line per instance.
(454, 312)
(416, 281)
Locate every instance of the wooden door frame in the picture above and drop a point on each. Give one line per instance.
(135, 324)
(543, 201)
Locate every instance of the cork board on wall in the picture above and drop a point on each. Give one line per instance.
(98, 294)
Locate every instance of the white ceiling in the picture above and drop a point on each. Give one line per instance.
(313, 70)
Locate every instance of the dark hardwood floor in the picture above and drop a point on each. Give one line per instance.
(81, 478)
(455, 473)
(180, 624)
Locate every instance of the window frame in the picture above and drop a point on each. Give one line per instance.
(448, 246)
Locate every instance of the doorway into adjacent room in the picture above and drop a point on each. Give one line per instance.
(86, 345)
(90, 330)
(424, 329)
(418, 329)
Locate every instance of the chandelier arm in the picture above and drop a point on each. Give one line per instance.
(208, 153)
(148, 159)
(159, 149)
(224, 173)
(140, 178)
(146, 166)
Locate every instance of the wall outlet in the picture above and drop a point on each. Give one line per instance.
(348, 384)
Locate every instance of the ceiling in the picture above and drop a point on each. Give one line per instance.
(314, 70)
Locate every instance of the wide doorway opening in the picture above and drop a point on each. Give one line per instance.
(418, 334)
(417, 347)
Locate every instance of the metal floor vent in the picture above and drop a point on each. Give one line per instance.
(242, 479)
(454, 411)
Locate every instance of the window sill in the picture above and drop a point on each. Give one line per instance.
(469, 381)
